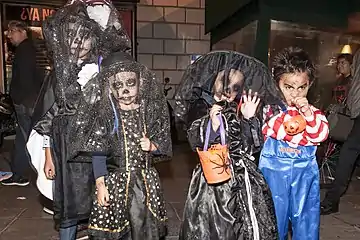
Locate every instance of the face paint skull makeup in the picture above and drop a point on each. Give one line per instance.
(125, 88)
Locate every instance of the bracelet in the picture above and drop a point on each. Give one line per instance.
(46, 141)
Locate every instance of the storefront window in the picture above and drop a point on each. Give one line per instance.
(241, 41)
(322, 45)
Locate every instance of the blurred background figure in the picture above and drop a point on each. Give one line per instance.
(25, 84)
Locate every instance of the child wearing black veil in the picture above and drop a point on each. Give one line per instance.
(236, 87)
(78, 35)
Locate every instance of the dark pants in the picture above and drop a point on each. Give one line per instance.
(348, 155)
(20, 157)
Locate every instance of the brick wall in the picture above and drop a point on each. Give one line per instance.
(169, 32)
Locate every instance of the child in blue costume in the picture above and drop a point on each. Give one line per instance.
(288, 159)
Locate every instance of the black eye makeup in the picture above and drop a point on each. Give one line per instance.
(118, 85)
(131, 82)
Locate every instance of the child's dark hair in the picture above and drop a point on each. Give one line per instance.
(348, 57)
(293, 60)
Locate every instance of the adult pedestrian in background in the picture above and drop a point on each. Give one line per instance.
(351, 148)
(24, 87)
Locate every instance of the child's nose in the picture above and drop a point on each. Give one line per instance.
(294, 94)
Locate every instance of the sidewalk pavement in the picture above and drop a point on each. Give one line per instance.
(22, 218)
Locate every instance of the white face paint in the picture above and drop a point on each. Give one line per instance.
(80, 42)
(125, 87)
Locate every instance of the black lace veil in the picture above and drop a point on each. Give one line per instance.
(195, 94)
(74, 38)
(122, 79)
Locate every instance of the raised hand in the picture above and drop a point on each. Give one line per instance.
(249, 104)
(302, 104)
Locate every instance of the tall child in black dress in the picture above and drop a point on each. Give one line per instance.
(77, 38)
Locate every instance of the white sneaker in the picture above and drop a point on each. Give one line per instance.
(48, 211)
(83, 238)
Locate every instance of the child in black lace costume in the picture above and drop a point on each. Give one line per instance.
(128, 134)
(236, 86)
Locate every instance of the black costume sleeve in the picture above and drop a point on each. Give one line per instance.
(97, 137)
(44, 125)
(158, 123)
(99, 166)
(243, 134)
(252, 135)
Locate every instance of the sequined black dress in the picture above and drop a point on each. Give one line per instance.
(224, 211)
(137, 207)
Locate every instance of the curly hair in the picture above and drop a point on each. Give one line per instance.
(293, 60)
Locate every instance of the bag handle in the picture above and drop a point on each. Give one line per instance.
(208, 129)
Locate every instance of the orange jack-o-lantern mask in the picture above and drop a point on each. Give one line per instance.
(295, 125)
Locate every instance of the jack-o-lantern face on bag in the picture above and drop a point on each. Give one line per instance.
(295, 125)
(125, 87)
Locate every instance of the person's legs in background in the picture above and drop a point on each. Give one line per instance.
(20, 158)
(348, 155)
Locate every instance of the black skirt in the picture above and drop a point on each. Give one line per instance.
(74, 180)
(222, 212)
(136, 211)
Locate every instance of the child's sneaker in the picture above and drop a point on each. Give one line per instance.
(5, 175)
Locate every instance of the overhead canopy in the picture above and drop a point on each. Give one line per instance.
(222, 18)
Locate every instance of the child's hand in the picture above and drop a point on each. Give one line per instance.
(102, 192)
(214, 112)
(49, 168)
(146, 144)
(249, 104)
(302, 104)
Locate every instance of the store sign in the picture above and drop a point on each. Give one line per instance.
(32, 15)
(35, 14)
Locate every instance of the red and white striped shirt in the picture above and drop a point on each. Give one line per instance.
(316, 131)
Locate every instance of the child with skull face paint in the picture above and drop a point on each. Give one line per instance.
(129, 134)
(288, 159)
(239, 208)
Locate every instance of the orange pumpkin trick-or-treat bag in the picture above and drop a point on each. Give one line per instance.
(214, 161)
